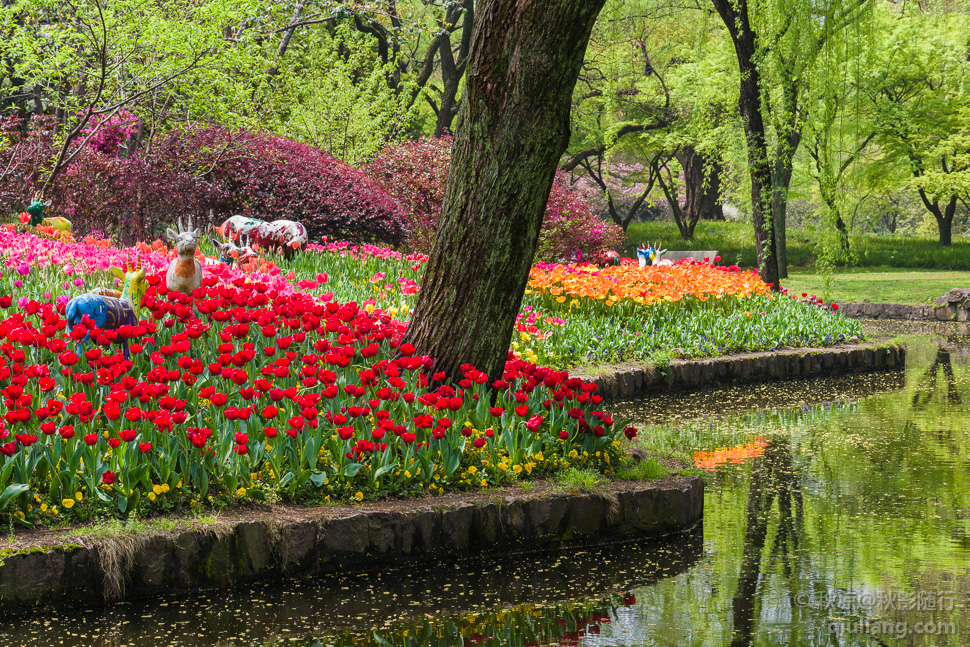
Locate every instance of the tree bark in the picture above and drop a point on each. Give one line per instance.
(944, 217)
(735, 17)
(513, 126)
(701, 186)
(780, 182)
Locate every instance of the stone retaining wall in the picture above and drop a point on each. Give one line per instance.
(631, 380)
(271, 548)
(897, 311)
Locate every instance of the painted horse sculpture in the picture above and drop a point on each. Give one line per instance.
(287, 236)
(109, 312)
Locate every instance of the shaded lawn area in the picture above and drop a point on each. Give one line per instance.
(877, 285)
(735, 244)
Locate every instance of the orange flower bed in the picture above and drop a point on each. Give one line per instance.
(645, 285)
(710, 460)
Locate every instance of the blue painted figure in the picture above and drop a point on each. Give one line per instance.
(643, 254)
(111, 312)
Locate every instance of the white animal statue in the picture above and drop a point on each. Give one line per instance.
(185, 272)
(287, 236)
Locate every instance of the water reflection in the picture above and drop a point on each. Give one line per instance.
(480, 596)
(838, 524)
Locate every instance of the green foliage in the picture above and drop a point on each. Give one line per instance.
(648, 469)
(339, 100)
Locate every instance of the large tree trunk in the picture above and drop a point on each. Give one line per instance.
(512, 128)
(735, 17)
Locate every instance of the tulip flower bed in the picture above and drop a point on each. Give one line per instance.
(626, 312)
(250, 388)
(579, 315)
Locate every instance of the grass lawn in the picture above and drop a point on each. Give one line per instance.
(735, 244)
(877, 285)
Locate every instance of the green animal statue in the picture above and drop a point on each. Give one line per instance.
(36, 213)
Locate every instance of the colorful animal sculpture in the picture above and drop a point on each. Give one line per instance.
(230, 252)
(287, 236)
(604, 259)
(654, 253)
(36, 213)
(109, 312)
(185, 272)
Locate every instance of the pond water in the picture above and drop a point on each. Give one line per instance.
(837, 512)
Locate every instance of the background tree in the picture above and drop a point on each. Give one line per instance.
(922, 104)
(737, 20)
(641, 96)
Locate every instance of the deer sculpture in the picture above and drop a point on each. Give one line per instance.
(110, 309)
(185, 272)
(230, 251)
(36, 213)
(655, 254)
(288, 236)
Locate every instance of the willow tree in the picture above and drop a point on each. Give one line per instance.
(512, 128)
(737, 19)
(778, 44)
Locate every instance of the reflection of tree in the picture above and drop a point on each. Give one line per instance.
(773, 481)
(928, 383)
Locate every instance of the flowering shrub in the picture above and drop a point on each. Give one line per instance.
(414, 173)
(129, 198)
(570, 226)
(248, 388)
(112, 133)
(276, 178)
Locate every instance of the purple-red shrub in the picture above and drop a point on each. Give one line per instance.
(130, 199)
(414, 173)
(25, 149)
(276, 178)
(112, 133)
(569, 225)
